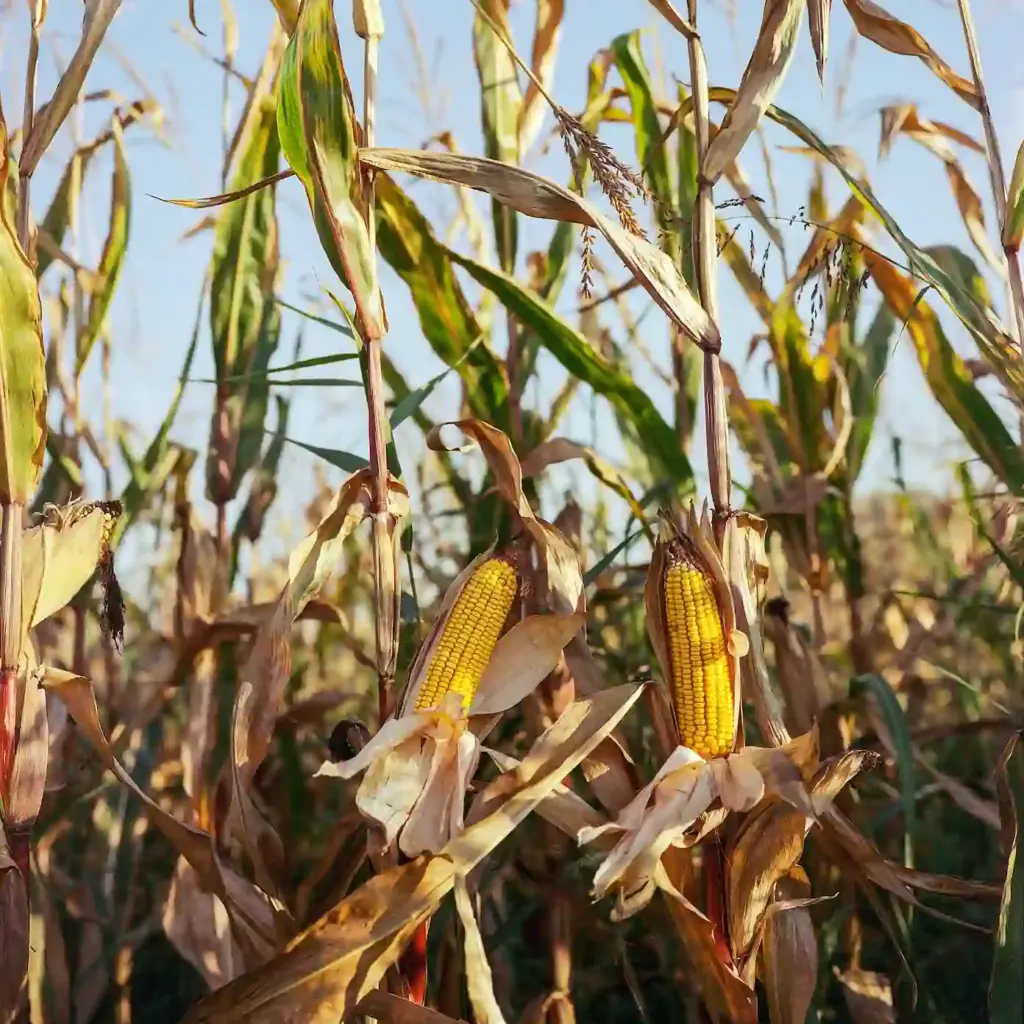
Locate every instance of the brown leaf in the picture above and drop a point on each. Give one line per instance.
(819, 12)
(539, 197)
(390, 1009)
(668, 11)
(968, 202)
(878, 25)
(790, 953)
(28, 776)
(762, 78)
(14, 925)
(963, 796)
(903, 118)
(542, 64)
(868, 996)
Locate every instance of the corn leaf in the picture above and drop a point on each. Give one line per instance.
(864, 363)
(324, 322)
(948, 378)
(58, 215)
(878, 25)
(819, 13)
(1006, 990)
(319, 134)
(501, 106)
(114, 249)
(576, 354)
(540, 197)
(22, 363)
(542, 64)
(245, 319)
(1013, 229)
(982, 323)
(408, 244)
(762, 79)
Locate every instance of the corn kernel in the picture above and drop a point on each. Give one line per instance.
(701, 680)
(469, 636)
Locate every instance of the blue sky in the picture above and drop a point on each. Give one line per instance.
(154, 309)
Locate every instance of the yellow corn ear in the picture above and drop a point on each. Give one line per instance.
(701, 682)
(468, 637)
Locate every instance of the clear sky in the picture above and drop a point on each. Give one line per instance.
(155, 304)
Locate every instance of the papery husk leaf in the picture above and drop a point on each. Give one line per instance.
(57, 561)
(789, 953)
(328, 969)
(539, 197)
(762, 79)
(522, 658)
(479, 982)
(562, 585)
(14, 934)
(28, 774)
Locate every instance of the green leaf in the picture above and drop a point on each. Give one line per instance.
(22, 362)
(1006, 990)
(245, 319)
(501, 102)
(408, 245)
(576, 354)
(893, 719)
(301, 364)
(114, 249)
(320, 137)
(323, 321)
(343, 460)
(58, 215)
(864, 363)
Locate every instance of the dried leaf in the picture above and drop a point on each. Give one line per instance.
(968, 202)
(479, 981)
(390, 1009)
(249, 909)
(536, 196)
(762, 78)
(868, 996)
(818, 13)
(1006, 989)
(14, 925)
(542, 64)
(99, 14)
(878, 25)
(22, 365)
(28, 776)
(790, 951)
(668, 11)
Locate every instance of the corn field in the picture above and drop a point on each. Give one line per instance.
(593, 677)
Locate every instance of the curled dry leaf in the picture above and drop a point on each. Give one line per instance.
(267, 669)
(972, 213)
(879, 26)
(250, 910)
(903, 118)
(762, 78)
(327, 970)
(561, 585)
(536, 196)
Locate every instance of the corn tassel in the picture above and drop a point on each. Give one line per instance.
(701, 680)
(468, 637)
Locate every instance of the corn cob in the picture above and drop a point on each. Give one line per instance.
(469, 635)
(701, 682)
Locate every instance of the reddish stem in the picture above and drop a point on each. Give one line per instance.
(714, 903)
(412, 965)
(8, 709)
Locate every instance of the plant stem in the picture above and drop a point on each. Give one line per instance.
(995, 170)
(24, 186)
(10, 636)
(716, 414)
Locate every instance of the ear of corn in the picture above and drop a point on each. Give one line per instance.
(701, 682)
(468, 637)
